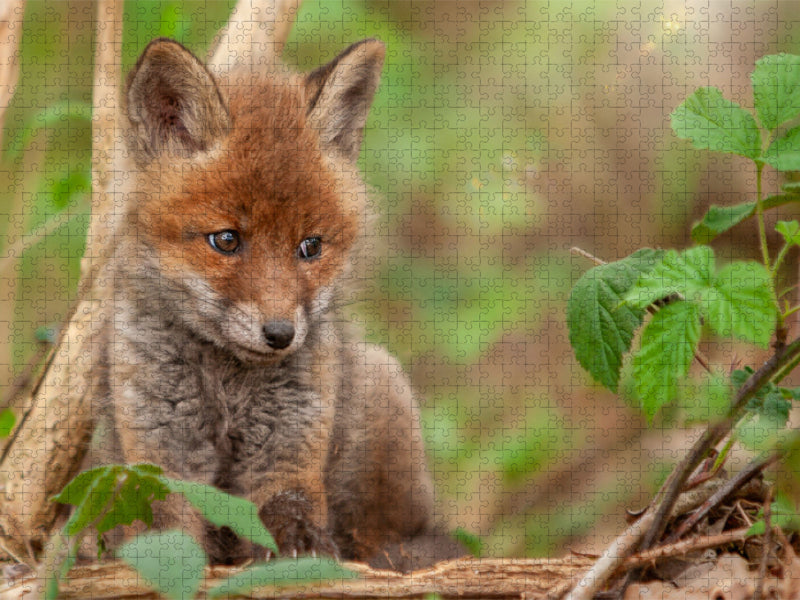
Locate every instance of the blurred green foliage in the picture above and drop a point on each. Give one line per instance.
(503, 133)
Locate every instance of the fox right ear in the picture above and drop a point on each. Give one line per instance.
(173, 103)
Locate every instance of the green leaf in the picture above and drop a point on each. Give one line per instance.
(282, 572)
(668, 345)
(112, 495)
(684, 273)
(783, 514)
(706, 398)
(224, 510)
(601, 328)
(7, 422)
(171, 561)
(720, 219)
(790, 230)
(90, 492)
(471, 541)
(784, 152)
(711, 121)
(776, 89)
(741, 304)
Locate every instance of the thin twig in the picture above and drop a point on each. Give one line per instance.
(683, 547)
(585, 254)
(741, 478)
(767, 540)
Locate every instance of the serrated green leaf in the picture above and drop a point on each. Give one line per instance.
(668, 345)
(280, 573)
(7, 422)
(764, 431)
(601, 328)
(720, 219)
(224, 510)
(741, 304)
(784, 152)
(706, 398)
(776, 89)
(790, 230)
(90, 493)
(711, 121)
(684, 273)
(137, 491)
(171, 561)
(112, 495)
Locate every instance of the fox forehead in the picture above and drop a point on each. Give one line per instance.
(268, 174)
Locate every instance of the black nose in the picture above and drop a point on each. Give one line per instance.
(279, 334)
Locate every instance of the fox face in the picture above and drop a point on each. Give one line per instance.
(247, 203)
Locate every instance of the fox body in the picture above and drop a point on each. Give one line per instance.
(227, 363)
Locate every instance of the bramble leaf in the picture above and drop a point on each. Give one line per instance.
(684, 273)
(776, 89)
(112, 495)
(719, 219)
(282, 572)
(740, 304)
(711, 121)
(784, 152)
(668, 345)
(171, 561)
(790, 230)
(601, 327)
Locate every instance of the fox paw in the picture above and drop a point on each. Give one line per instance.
(287, 517)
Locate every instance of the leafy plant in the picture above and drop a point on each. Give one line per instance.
(689, 296)
(172, 561)
(685, 291)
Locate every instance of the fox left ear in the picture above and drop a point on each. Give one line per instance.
(341, 93)
(173, 103)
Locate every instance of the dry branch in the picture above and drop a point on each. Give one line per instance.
(46, 450)
(470, 578)
(255, 34)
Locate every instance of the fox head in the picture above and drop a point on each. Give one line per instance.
(245, 201)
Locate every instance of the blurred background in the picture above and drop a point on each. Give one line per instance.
(503, 134)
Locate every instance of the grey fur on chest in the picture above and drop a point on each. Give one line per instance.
(211, 417)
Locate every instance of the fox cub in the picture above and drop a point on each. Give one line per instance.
(226, 361)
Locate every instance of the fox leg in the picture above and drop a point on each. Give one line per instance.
(380, 490)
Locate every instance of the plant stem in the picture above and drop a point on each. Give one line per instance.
(779, 259)
(762, 230)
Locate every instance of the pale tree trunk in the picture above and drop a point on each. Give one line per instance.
(51, 439)
(11, 13)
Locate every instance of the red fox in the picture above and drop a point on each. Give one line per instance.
(227, 362)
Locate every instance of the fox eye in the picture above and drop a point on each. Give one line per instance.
(224, 242)
(309, 248)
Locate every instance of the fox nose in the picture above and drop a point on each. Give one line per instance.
(279, 334)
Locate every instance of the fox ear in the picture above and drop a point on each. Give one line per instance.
(341, 93)
(173, 103)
